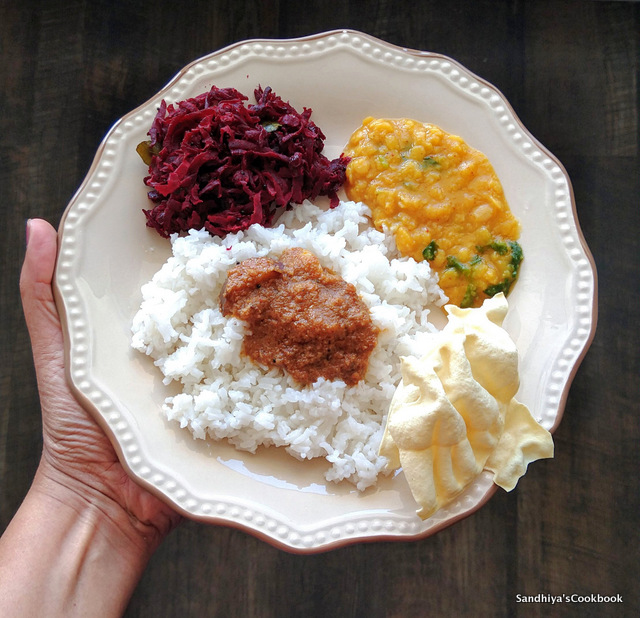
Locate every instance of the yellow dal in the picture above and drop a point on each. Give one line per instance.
(425, 185)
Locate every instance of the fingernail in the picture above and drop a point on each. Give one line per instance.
(27, 231)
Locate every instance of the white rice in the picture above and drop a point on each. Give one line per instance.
(227, 396)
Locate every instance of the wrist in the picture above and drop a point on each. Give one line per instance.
(75, 551)
(95, 503)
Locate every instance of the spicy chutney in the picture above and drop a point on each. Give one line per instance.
(301, 317)
(442, 201)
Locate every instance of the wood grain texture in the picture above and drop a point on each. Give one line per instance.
(70, 69)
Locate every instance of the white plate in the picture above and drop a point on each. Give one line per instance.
(106, 253)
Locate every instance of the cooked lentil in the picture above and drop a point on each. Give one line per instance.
(441, 199)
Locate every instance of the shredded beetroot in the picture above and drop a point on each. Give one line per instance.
(221, 165)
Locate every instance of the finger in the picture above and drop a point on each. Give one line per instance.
(38, 304)
(45, 331)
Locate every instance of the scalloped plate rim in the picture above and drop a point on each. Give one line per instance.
(269, 535)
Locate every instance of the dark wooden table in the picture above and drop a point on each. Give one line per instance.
(69, 69)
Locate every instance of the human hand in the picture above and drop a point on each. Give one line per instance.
(79, 464)
(85, 531)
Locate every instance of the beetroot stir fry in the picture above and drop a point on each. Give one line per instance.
(218, 164)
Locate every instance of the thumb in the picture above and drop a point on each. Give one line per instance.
(38, 304)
